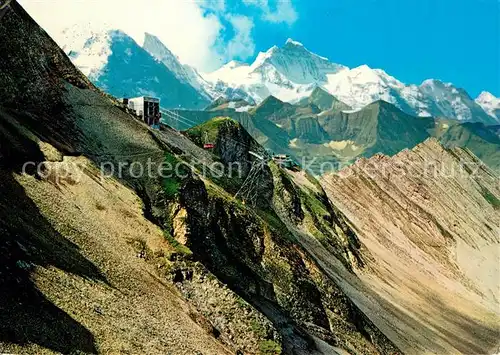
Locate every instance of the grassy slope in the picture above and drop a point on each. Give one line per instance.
(335, 136)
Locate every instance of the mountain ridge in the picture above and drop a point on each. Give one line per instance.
(116, 63)
(186, 73)
(356, 87)
(312, 131)
(435, 209)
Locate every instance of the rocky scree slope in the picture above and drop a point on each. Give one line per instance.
(131, 254)
(430, 218)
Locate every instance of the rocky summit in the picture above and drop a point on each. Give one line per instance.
(202, 234)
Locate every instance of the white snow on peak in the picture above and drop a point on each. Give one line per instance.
(362, 85)
(295, 43)
(429, 82)
(435, 84)
(262, 57)
(288, 73)
(230, 74)
(446, 100)
(487, 97)
(489, 103)
(88, 47)
(235, 64)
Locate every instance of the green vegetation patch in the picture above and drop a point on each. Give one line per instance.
(277, 225)
(314, 205)
(270, 347)
(209, 129)
(173, 182)
(182, 249)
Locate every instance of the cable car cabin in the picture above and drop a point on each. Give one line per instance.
(147, 108)
(283, 160)
(207, 143)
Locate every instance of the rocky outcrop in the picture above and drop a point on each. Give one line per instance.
(253, 250)
(224, 314)
(35, 79)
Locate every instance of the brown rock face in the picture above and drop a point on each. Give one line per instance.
(429, 221)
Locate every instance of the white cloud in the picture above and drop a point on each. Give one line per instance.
(214, 5)
(242, 44)
(284, 12)
(185, 27)
(192, 29)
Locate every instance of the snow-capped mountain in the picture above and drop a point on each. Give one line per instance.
(114, 62)
(88, 48)
(361, 86)
(296, 63)
(292, 72)
(490, 104)
(444, 99)
(288, 73)
(183, 72)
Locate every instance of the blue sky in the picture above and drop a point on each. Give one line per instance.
(451, 40)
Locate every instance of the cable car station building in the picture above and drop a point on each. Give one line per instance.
(147, 108)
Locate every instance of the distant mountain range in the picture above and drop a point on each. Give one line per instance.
(321, 129)
(292, 72)
(122, 67)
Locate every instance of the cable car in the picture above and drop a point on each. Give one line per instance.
(207, 144)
